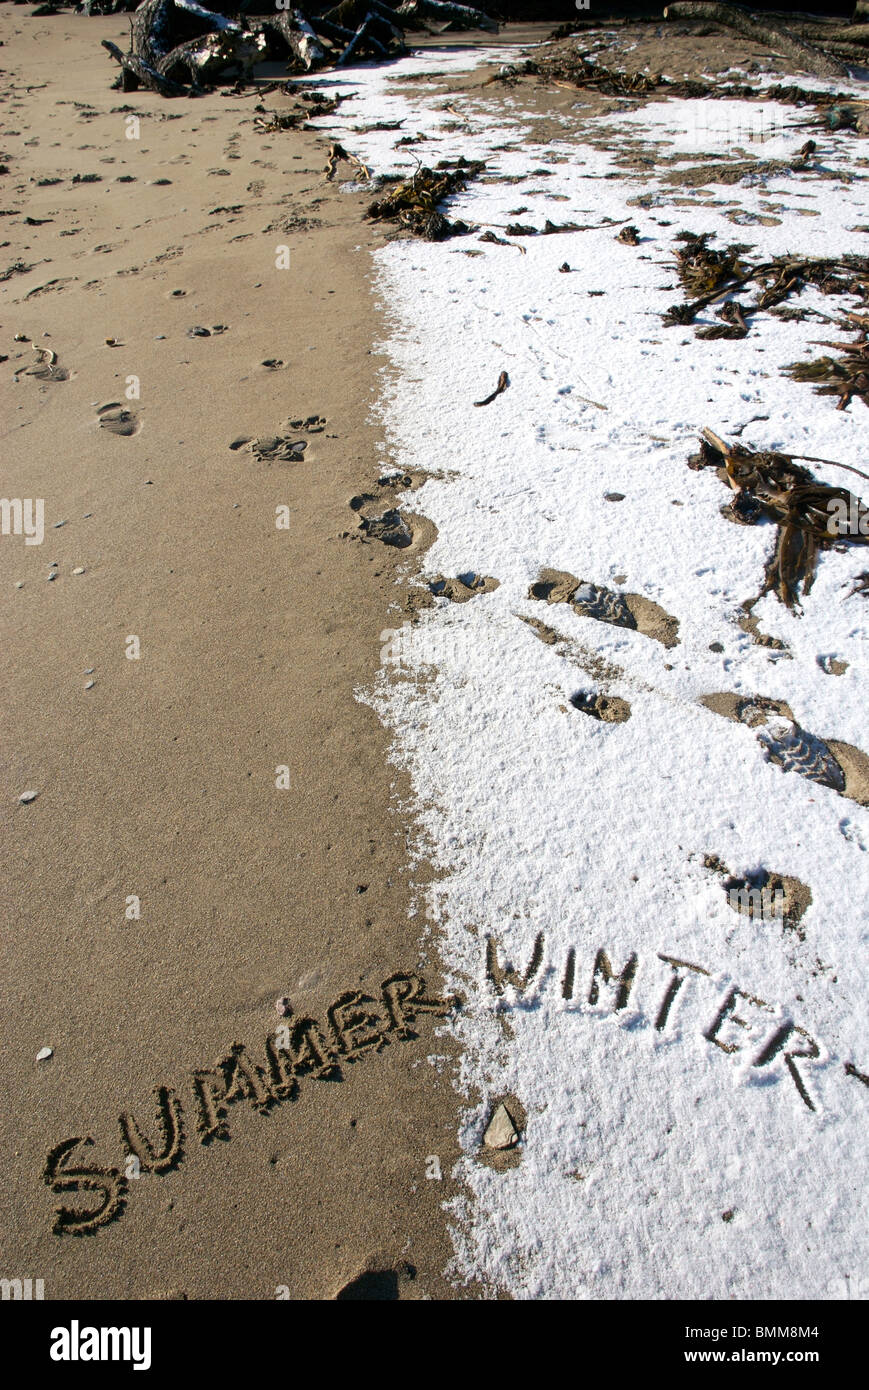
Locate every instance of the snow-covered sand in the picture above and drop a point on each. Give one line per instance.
(691, 1130)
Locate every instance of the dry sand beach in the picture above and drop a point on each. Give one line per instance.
(230, 835)
(159, 779)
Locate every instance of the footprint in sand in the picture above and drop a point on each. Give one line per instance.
(282, 448)
(378, 1285)
(314, 424)
(831, 664)
(118, 419)
(464, 587)
(380, 519)
(390, 528)
(829, 762)
(609, 709)
(50, 287)
(764, 895)
(45, 368)
(632, 611)
(401, 532)
(272, 448)
(793, 749)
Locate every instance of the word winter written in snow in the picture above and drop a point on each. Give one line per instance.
(75, 1343)
(767, 1041)
(357, 1024)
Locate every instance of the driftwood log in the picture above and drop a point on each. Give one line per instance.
(176, 45)
(298, 35)
(854, 53)
(150, 31)
(135, 72)
(390, 15)
(810, 59)
(826, 33)
(336, 33)
(447, 13)
(364, 36)
(352, 13)
(204, 58)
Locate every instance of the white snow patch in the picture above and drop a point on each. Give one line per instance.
(672, 1150)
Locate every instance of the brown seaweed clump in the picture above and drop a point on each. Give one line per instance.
(809, 515)
(701, 269)
(579, 71)
(414, 203)
(709, 275)
(845, 377)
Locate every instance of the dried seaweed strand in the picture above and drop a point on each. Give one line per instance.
(770, 486)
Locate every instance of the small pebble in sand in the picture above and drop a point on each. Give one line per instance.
(89, 685)
(52, 576)
(79, 569)
(199, 332)
(44, 1053)
(283, 1007)
(19, 583)
(58, 524)
(26, 797)
(90, 670)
